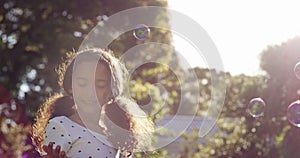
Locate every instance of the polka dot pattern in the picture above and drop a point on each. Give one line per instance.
(76, 140)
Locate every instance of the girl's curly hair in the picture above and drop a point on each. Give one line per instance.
(139, 129)
(127, 126)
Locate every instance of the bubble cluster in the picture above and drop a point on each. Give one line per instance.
(141, 32)
(297, 70)
(256, 107)
(293, 113)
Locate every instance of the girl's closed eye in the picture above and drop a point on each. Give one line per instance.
(101, 84)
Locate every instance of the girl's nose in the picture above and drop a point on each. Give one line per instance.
(90, 92)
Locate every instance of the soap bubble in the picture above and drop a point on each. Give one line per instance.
(293, 113)
(297, 70)
(256, 107)
(141, 32)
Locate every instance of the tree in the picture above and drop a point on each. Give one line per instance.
(241, 135)
(236, 129)
(36, 35)
(282, 88)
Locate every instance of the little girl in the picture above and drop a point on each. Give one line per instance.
(94, 118)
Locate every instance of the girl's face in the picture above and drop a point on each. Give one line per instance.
(91, 88)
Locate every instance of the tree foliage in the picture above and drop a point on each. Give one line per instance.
(36, 35)
(241, 135)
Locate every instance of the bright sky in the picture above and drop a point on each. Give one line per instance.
(241, 30)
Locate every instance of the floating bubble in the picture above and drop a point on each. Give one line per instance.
(256, 107)
(141, 32)
(297, 70)
(293, 113)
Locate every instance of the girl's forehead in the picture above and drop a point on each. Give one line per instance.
(85, 67)
(103, 69)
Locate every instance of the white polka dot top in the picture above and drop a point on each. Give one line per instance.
(76, 140)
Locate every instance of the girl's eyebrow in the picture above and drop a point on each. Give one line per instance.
(81, 78)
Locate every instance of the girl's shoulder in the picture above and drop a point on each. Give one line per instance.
(60, 122)
(74, 129)
(65, 122)
(57, 124)
(59, 119)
